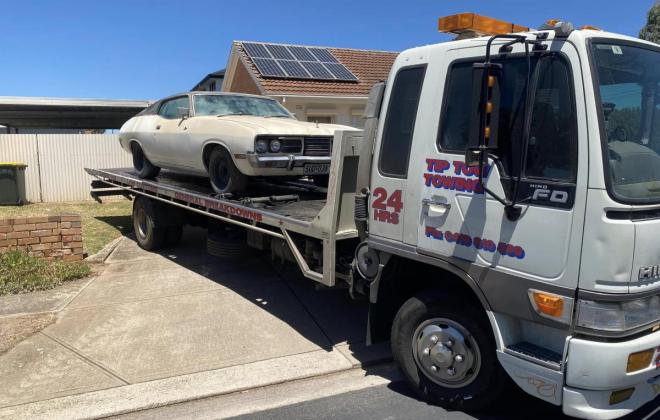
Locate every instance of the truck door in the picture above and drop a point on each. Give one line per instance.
(392, 154)
(456, 220)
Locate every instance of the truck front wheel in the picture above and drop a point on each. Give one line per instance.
(446, 353)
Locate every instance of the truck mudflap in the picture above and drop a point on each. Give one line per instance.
(598, 384)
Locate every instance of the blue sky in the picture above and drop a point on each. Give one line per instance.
(150, 49)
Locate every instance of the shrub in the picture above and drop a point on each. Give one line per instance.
(20, 272)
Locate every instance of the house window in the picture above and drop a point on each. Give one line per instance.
(321, 119)
(212, 86)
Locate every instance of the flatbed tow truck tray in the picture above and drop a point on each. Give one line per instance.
(279, 210)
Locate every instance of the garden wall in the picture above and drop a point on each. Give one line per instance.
(49, 237)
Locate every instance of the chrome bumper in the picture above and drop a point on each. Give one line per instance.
(285, 161)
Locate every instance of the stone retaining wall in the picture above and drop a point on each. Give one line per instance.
(49, 237)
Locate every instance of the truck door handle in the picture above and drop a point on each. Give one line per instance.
(435, 208)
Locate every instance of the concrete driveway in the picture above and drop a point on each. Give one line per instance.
(154, 329)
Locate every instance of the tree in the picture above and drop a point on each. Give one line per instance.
(651, 31)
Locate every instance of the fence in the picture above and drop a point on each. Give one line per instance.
(56, 162)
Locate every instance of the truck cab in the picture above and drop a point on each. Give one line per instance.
(514, 204)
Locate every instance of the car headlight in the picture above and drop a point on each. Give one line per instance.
(275, 146)
(261, 146)
(618, 316)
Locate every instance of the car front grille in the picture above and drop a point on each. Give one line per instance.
(291, 146)
(317, 146)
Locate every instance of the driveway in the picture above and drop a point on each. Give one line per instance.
(153, 329)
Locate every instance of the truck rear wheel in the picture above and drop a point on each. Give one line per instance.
(446, 353)
(149, 235)
(143, 167)
(225, 176)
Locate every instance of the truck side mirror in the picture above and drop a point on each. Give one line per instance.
(485, 104)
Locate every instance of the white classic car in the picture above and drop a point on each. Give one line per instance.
(227, 137)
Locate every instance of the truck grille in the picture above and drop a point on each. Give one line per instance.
(317, 146)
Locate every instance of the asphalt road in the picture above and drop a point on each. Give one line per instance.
(395, 401)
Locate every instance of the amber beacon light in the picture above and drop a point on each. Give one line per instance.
(472, 23)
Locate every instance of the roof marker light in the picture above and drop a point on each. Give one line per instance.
(470, 24)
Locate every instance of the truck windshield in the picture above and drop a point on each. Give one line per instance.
(238, 105)
(628, 80)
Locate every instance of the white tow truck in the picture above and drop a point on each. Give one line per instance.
(500, 212)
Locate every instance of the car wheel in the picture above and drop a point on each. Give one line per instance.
(143, 167)
(447, 353)
(225, 177)
(321, 180)
(149, 235)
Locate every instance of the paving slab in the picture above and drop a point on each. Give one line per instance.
(188, 333)
(341, 318)
(38, 368)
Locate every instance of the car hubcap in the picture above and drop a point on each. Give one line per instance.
(446, 352)
(141, 219)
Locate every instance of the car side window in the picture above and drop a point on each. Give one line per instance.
(400, 121)
(552, 148)
(175, 108)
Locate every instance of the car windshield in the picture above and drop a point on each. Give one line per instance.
(628, 80)
(238, 105)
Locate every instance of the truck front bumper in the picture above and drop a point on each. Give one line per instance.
(597, 369)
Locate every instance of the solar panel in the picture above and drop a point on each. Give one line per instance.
(317, 70)
(293, 69)
(268, 67)
(302, 53)
(279, 52)
(297, 62)
(323, 55)
(256, 50)
(339, 71)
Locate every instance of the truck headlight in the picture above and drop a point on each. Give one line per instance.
(275, 146)
(261, 146)
(618, 316)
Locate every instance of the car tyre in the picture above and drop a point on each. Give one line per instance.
(148, 232)
(478, 380)
(144, 168)
(223, 173)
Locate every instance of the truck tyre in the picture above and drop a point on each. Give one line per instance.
(143, 167)
(225, 176)
(150, 236)
(446, 353)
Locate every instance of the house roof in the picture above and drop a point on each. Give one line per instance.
(369, 67)
(214, 75)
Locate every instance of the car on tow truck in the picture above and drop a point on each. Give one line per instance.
(227, 137)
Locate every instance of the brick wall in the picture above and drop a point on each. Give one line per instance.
(50, 237)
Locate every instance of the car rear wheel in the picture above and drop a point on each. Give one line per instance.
(447, 353)
(143, 167)
(225, 177)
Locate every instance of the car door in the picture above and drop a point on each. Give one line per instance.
(457, 220)
(171, 131)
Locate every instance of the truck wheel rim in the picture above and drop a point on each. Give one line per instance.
(446, 353)
(141, 219)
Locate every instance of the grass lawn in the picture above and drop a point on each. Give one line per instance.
(101, 223)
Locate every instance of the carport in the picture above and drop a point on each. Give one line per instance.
(66, 113)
